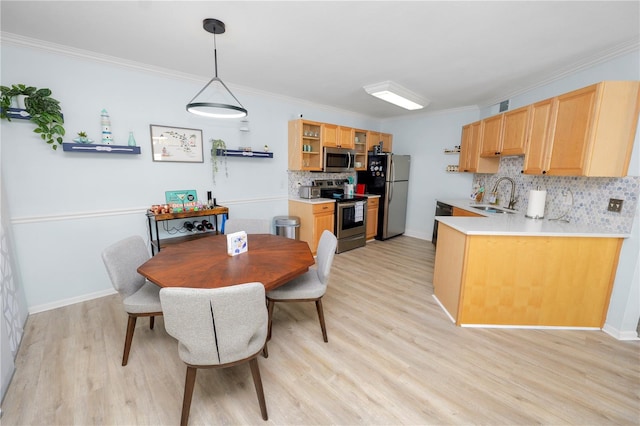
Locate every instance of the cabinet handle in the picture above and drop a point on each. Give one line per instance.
(544, 172)
(497, 153)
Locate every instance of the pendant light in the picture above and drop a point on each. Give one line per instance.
(212, 103)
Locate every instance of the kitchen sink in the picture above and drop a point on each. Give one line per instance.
(491, 209)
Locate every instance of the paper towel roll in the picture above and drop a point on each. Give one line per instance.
(535, 209)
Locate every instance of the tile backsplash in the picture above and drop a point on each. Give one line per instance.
(298, 178)
(581, 200)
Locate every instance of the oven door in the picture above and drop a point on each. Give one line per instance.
(351, 218)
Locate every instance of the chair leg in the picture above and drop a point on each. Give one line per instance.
(270, 311)
(189, 384)
(152, 321)
(321, 316)
(257, 381)
(131, 327)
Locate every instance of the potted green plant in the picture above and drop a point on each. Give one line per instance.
(44, 111)
(218, 144)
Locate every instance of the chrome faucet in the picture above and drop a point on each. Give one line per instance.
(512, 199)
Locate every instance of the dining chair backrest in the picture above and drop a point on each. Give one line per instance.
(122, 260)
(325, 254)
(250, 226)
(218, 325)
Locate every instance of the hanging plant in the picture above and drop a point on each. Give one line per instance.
(218, 144)
(44, 111)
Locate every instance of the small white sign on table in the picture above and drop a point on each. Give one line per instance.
(237, 243)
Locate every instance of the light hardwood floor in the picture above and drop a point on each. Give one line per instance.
(393, 357)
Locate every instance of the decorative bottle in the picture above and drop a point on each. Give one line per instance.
(132, 141)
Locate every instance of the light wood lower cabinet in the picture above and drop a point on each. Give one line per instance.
(373, 204)
(461, 212)
(525, 280)
(314, 219)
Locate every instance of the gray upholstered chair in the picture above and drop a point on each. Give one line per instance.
(309, 287)
(139, 296)
(250, 226)
(217, 328)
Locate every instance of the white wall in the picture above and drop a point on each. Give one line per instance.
(425, 137)
(66, 207)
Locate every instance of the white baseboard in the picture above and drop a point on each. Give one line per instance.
(620, 335)
(70, 301)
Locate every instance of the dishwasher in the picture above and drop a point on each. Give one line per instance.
(442, 209)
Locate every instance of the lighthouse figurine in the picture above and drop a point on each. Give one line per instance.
(105, 122)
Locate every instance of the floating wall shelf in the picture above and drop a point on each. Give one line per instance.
(236, 153)
(103, 149)
(20, 114)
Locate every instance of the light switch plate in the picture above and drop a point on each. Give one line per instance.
(615, 205)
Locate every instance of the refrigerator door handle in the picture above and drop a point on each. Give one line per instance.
(390, 191)
(393, 169)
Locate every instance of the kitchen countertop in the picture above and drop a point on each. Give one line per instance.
(517, 224)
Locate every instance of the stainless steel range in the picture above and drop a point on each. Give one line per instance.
(350, 220)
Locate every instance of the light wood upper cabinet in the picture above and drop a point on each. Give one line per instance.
(345, 137)
(307, 138)
(491, 136)
(374, 138)
(470, 160)
(387, 142)
(586, 132)
(360, 144)
(305, 151)
(538, 137)
(590, 132)
(329, 135)
(514, 131)
(505, 134)
(337, 136)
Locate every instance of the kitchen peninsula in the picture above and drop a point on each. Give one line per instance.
(509, 270)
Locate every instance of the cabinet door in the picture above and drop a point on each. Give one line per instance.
(491, 141)
(573, 120)
(514, 131)
(373, 138)
(360, 144)
(387, 142)
(461, 212)
(372, 218)
(322, 219)
(467, 146)
(329, 135)
(303, 133)
(345, 137)
(536, 153)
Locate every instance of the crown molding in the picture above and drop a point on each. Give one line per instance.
(12, 39)
(598, 58)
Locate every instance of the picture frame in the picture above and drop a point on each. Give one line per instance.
(176, 144)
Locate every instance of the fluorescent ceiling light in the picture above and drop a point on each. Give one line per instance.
(397, 95)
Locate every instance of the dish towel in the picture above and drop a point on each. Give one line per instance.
(359, 211)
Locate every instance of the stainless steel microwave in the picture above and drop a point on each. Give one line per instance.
(339, 160)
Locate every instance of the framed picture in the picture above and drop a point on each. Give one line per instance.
(176, 144)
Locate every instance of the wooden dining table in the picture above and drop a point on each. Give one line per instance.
(204, 263)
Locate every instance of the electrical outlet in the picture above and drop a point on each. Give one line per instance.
(615, 205)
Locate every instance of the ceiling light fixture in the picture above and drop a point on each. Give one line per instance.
(397, 95)
(212, 103)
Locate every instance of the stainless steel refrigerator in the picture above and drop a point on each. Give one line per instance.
(388, 176)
